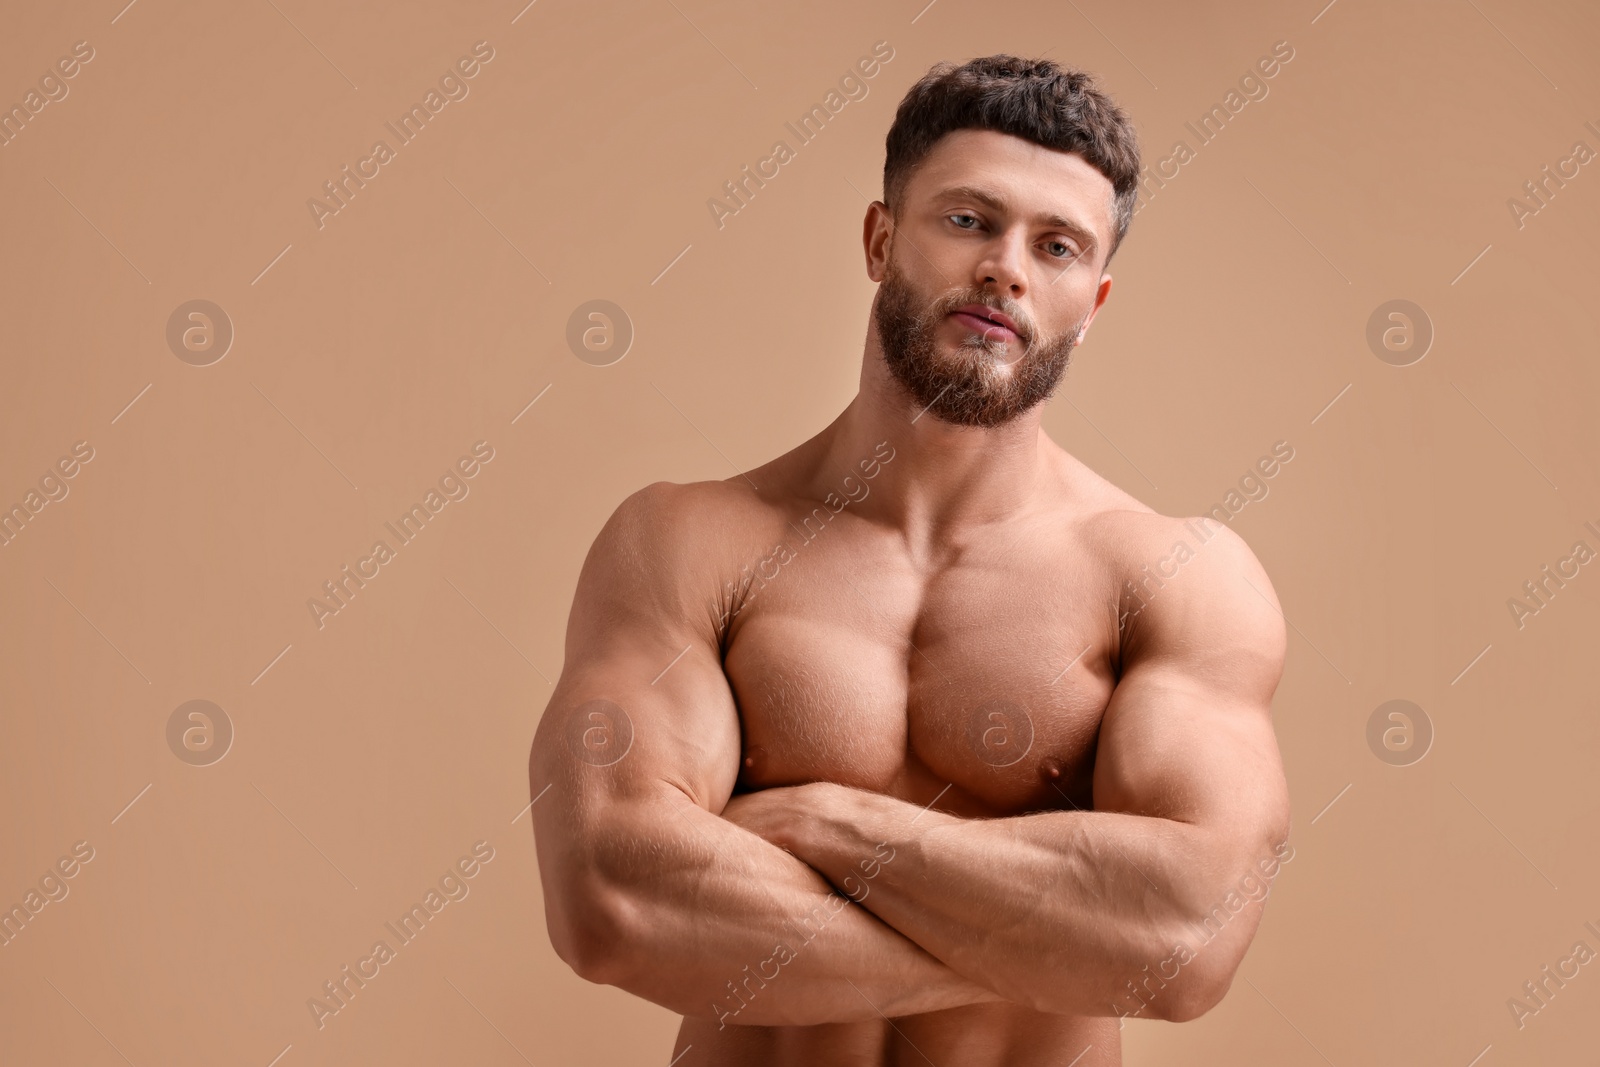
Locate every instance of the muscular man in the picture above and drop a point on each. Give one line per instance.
(923, 742)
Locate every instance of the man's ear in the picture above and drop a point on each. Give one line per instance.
(876, 230)
(1099, 301)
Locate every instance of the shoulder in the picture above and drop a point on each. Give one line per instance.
(666, 517)
(653, 536)
(1144, 551)
(1189, 588)
(1196, 594)
(667, 546)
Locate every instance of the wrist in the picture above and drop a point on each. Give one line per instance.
(825, 825)
(846, 836)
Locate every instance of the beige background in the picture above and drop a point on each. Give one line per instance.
(426, 315)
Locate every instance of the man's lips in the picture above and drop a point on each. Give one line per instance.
(986, 322)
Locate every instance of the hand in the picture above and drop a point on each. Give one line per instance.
(779, 815)
(825, 826)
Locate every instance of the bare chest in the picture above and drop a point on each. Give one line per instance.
(988, 677)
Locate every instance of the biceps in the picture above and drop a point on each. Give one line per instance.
(623, 757)
(1172, 746)
(623, 723)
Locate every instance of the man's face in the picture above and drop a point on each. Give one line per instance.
(999, 226)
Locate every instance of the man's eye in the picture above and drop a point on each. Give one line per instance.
(1067, 251)
(974, 219)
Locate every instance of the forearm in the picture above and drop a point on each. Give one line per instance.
(1069, 911)
(708, 920)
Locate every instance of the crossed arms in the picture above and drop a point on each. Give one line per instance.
(658, 880)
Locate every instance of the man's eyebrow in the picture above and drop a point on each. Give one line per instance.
(988, 199)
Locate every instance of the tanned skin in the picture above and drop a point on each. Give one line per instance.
(890, 762)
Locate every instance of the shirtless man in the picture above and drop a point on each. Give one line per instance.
(923, 742)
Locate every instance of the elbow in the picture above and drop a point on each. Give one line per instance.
(1178, 982)
(590, 955)
(1208, 946)
(588, 935)
(1199, 985)
(1193, 998)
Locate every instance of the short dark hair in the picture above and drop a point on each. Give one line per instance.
(1035, 99)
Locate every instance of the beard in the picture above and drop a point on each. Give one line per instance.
(983, 382)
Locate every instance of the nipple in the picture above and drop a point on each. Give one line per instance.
(1050, 769)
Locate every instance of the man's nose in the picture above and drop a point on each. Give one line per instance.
(1004, 265)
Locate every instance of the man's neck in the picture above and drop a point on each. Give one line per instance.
(943, 478)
